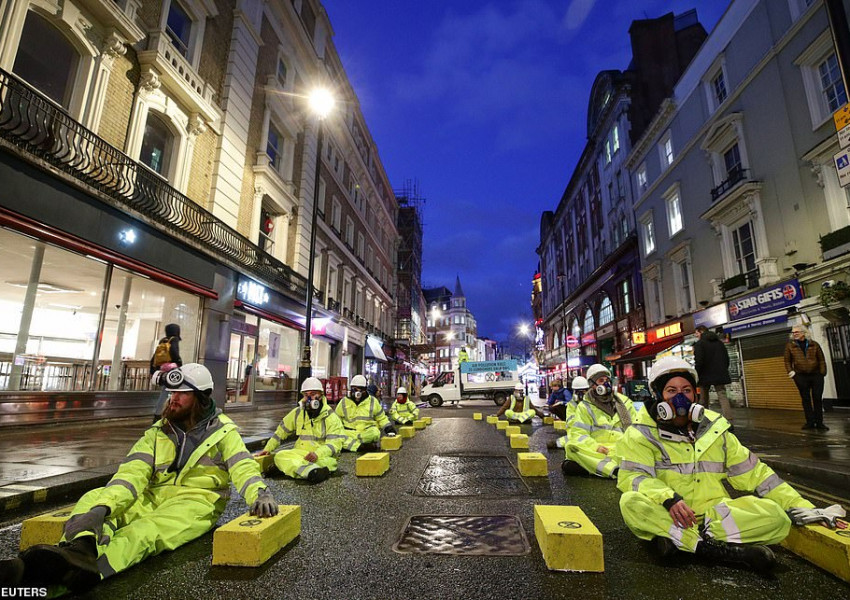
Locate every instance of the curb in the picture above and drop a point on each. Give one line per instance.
(21, 495)
(838, 480)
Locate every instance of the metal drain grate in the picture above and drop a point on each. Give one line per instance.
(483, 476)
(488, 535)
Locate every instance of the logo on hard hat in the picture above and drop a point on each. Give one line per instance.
(174, 378)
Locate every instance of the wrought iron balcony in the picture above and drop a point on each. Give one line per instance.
(38, 127)
(734, 177)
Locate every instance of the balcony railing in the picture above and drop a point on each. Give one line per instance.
(734, 177)
(34, 124)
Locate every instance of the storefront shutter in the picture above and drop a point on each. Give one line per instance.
(765, 380)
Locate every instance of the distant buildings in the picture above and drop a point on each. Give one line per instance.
(450, 327)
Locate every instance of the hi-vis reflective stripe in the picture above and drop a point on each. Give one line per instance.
(598, 425)
(584, 426)
(239, 456)
(703, 466)
(628, 465)
(332, 448)
(304, 468)
(251, 480)
(636, 482)
(745, 466)
(306, 438)
(769, 484)
(125, 484)
(644, 430)
(733, 533)
(142, 456)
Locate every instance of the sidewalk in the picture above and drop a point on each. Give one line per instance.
(52, 463)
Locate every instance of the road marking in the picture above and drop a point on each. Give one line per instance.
(819, 495)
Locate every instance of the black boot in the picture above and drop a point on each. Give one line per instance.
(569, 467)
(72, 564)
(758, 558)
(664, 546)
(370, 447)
(11, 572)
(318, 474)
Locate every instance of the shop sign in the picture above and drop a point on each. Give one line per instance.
(581, 361)
(777, 320)
(587, 339)
(252, 292)
(711, 317)
(572, 341)
(237, 326)
(659, 333)
(767, 300)
(638, 337)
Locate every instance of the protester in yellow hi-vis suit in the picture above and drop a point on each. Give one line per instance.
(171, 488)
(517, 408)
(363, 418)
(580, 386)
(674, 460)
(320, 437)
(597, 426)
(403, 411)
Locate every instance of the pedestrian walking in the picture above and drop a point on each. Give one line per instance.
(806, 365)
(712, 363)
(166, 357)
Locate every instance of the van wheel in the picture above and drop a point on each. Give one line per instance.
(435, 400)
(499, 398)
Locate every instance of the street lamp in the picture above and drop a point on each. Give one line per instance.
(321, 103)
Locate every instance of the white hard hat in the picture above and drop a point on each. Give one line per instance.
(580, 383)
(312, 384)
(597, 370)
(401, 390)
(519, 387)
(188, 378)
(358, 381)
(670, 364)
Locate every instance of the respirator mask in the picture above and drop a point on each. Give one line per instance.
(603, 389)
(679, 406)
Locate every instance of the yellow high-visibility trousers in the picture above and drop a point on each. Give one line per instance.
(291, 462)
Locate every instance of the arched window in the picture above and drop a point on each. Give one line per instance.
(588, 321)
(46, 59)
(606, 312)
(557, 339)
(575, 328)
(157, 145)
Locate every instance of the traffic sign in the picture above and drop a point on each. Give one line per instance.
(841, 117)
(844, 137)
(842, 166)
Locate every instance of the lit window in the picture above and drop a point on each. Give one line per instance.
(718, 85)
(615, 138)
(641, 177)
(668, 151)
(744, 245)
(832, 86)
(674, 213)
(157, 145)
(606, 312)
(648, 236)
(607, 151)
(273, 147)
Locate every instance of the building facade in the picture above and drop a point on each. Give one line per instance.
(450, 327)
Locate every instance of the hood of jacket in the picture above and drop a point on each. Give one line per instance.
(173, 330)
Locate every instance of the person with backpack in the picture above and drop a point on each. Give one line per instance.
(166, 357)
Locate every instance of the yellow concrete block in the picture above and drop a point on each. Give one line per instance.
(501, 425)
(492, 419)
(568, 539)
(407, 431)
(532, 464)
(44, 529)
(512, 430)
(548, 420)
(428, 420)
(373, 464)
(519, 440)
(249, 541)
(265, 462)
(419, 424)
(391, 443)
(477, 416)
(829, 549)
(560, 425)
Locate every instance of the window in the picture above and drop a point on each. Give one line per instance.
(744, 247)
(832, 87)
(641, 177)
(349, 232)
(588, 321)
(718, 87)
(732, 161)
(46, 59)
(323, 191)
(648, 230)
(666, 147)
(615, 139)
(674, 212)
(821, 76)
(281, 73)
(178, 28)
(360, 244)
(157, 145)
(606, 312)
(685, 300)
(625, 296)
(336, 215)
(607, 151)
(273, 147)
(266, 239)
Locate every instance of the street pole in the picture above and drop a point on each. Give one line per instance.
(305, 369)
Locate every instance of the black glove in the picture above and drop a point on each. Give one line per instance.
(89, 521)
(264, 505)
(390, 430)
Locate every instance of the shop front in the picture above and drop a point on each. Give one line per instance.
(667, 339)
(377, 367)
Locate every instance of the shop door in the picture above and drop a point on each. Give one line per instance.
(839, 348)
(766, 383)
(240, 368)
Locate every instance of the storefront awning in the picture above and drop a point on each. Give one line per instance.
(647, 351)
(374, 350)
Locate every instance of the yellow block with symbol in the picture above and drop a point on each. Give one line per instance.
(568, 540)
(249, 541)
(532, 464)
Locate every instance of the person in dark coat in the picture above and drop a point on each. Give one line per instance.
(806, 365)
(172, 335)
(558, 399)
(712, 364)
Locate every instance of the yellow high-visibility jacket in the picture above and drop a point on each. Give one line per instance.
(405, 410)
(360, 416)
(590, 427)
(322, 435)
(660, 468)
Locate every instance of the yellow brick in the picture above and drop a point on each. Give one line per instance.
(491, 419)
(519, 440)
(532, 464)
(560, 425)
(827, 548)
(407, 431)
(44, 529)
(568, 539)
(419, 424)
(373, 464)
(512, 430)
(265, 462)
(477, 416)
(391, 443)
(249, 541)
(428, 420)
(548, 420)
(500, 425)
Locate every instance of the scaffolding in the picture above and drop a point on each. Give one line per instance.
(411, 303)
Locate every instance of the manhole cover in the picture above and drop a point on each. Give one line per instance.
(490, 535)
(451, 475)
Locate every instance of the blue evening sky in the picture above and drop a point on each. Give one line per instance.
(484, 103)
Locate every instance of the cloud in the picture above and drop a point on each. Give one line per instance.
(577, 13)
